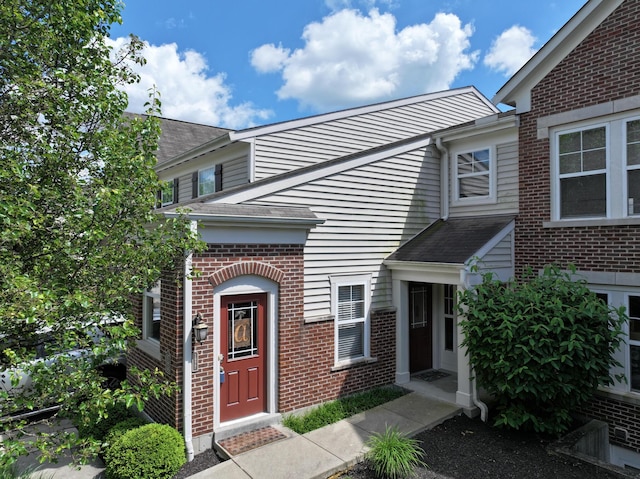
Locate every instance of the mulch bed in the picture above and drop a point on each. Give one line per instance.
(463, 448)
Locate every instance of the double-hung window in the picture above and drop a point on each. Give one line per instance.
(632, 153)
(582, 168)
(151, 313)
(206, 181)
(168, 193)
(350, 305)
(474, 175)
(596, 170)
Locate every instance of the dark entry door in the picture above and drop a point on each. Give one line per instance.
(420, 326)
(244, 345)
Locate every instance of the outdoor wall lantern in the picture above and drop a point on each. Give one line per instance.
(200, 328)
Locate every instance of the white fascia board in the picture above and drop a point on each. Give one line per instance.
(493, 242)
(482, 126)
(203, 149)
(313, 173)
(517, 90)
(231, 221)
(442, 273)
(337, 115)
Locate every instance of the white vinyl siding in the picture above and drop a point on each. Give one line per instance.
(369, 212)
(500, 257)
(506, 196)
(296, 148)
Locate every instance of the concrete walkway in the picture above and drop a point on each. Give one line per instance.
(317, 454)
(321, 453)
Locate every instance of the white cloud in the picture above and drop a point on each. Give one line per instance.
(510, 50)
(187, 91)
(350, 59)
(269, 58)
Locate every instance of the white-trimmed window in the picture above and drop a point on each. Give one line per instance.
(582, 168)
(168, 193)
(474, 175)
(206, 181)
(629, 353)
(350, 303)
(151, 313)
(596, 170)
(632, 153)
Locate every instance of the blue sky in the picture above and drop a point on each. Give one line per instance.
(251, 62)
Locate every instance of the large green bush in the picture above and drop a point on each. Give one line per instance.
(154, 451)
(94, 426)
(540, 346)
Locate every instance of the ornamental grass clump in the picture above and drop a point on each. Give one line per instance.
(393, 455)
(540, 346)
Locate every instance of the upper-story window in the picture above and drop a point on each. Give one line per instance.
(207, 181)
(596, 170)
(473, 174)
(582, 167)
(168, 193)
(632, 132)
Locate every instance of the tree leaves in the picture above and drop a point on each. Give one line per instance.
(78, 234)
(541, 346)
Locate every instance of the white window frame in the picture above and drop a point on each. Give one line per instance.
(201, 183)
(557, 176)
(627, 169)
(491, 174)
(616, 170)
(148, 344)
(352, 280)
(167, 187)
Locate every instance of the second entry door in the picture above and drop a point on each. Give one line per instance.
(244, 346)
(420, 327)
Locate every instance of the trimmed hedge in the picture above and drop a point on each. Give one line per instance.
(153, 451)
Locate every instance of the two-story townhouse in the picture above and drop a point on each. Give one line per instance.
(299, 218)
(578, 100)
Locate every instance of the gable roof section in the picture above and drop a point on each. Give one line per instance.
(452, 241)
(462, 96)
(251, 191)
(517, 91)
(179, 137)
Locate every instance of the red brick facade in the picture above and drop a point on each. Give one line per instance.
(603, 68)
(305, 352)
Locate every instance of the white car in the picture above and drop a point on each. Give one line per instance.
(16, 379)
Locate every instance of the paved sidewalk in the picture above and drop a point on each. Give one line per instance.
(320, 453)
(317, 454)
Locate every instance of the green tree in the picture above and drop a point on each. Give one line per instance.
(540, 347)
(78, 234)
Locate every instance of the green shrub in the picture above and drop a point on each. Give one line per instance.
(96, 427)
(540, 347)
(393, 455)
(153, 451)
(120, 429)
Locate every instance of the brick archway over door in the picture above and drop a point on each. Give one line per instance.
(244, 268)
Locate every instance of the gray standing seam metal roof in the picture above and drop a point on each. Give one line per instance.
(454, 240)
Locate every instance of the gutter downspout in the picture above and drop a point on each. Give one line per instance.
(444, 174)
(484, 409)
(187, 352)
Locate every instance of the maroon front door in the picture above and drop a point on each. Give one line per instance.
(420, 327)
(244, 345)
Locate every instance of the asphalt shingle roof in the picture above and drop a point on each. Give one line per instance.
(453, 240)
